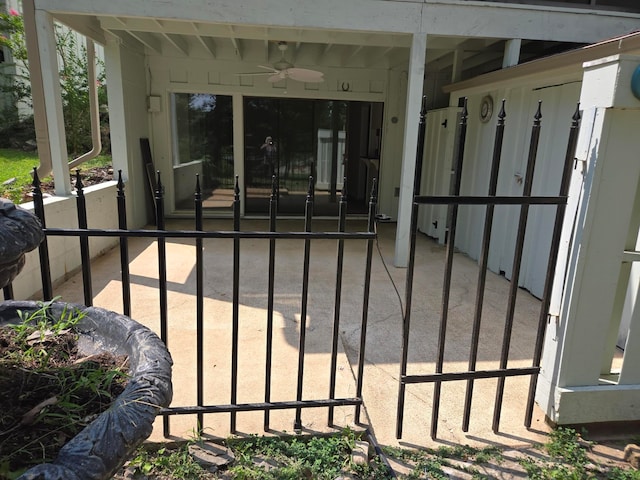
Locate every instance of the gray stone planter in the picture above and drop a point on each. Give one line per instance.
(105, 444)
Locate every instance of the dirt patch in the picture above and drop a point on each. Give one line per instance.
(48, 394)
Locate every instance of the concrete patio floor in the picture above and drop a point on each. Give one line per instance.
(384, 336)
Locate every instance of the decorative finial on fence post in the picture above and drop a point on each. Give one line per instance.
(120, 184)
(502, 115)
(576, 115)
(538, 115)
(79, 185)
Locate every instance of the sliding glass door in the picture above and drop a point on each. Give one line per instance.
(294, 139)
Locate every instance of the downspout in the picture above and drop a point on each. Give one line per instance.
(94, 113)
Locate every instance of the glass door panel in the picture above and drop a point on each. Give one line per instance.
(203, 144)
(294, 139)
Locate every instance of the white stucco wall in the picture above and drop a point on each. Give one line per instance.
(64, 252)
(129, 121)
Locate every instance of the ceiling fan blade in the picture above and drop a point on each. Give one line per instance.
(271, 69)
(304, 75)
(253, 74)
(277, 77)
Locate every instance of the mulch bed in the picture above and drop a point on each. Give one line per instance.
(90, 176)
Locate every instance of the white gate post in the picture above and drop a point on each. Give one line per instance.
(572, 388)
(414, 97)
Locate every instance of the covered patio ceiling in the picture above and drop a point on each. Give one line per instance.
(256, 44)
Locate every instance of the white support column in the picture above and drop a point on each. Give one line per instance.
(415, 86)
(456, 70)
(511, 53)
(37, 91)
(53, 101)
(570, 390)
(115, 98)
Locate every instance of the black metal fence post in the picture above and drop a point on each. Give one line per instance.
(124, 247)
(553, 258)
(342, 215)
(482, 263)
(517, 261)
(273, 209)
(85, 256)
(451, 244)
(162, 273)
(236, 303)
(308, 214)
(199, 304)
(43, 249)
(413, 229)
(373, 200)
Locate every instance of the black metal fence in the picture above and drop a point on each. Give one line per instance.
(199, 235)
(490, 201)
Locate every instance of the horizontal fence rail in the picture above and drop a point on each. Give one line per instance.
(199, 235)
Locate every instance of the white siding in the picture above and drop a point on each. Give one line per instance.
(558, 104)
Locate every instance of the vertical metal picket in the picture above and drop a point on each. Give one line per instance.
(162, 274)
(236, 304)
(451, 242)
(273, 209)
(517, 261)
(342, 215)
(553, 258)
(43, 249)
(308, 213)
(406, 320)
(199, 304)
(482, 264)
(124, 247)
(85, 257)
(365, 301)
(7, 291)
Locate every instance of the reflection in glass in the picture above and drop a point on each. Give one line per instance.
(203, 144)
(294, 139)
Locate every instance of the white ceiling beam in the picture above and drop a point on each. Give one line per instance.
(89, 27)
(235, 42)
(149, 40)
(208, 43)
(512, 50)
(127, 40)
(178, 42)
(256, 33)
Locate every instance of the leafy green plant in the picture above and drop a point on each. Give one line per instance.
(15, 83)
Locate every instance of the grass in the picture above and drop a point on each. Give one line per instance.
(19, 165)
(563, 457)
(290, 458)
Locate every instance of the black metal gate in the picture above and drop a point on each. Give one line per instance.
(453, 201)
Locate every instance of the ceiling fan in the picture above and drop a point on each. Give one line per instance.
(282, 70)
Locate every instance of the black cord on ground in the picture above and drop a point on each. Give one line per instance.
(384, 264)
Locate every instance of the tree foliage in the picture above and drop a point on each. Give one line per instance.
(16, 115)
